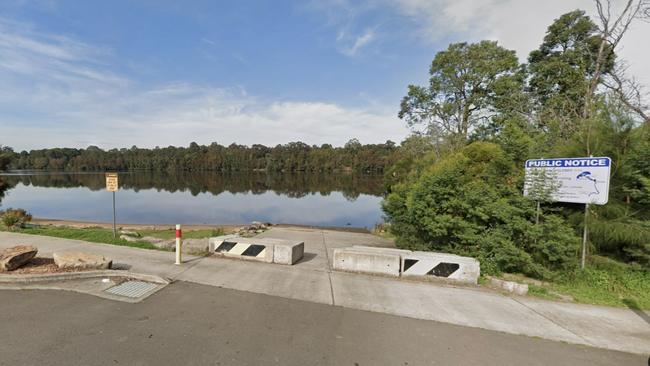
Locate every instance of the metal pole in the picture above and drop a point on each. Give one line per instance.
(114, 230)
(584, 238)
(179, 234)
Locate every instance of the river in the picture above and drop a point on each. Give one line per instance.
(200, 198)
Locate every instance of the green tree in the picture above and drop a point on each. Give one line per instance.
(6, 155)
(467, 84)
(562, 71)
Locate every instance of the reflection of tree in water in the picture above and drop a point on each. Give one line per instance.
(4, 186)
(294, 185)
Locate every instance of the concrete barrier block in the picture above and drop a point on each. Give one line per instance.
(366, 261)
(440, 266)
(245, 248)
(288, 252)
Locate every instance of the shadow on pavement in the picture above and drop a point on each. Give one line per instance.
(632, 305)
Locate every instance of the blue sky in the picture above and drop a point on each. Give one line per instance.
(147, 73)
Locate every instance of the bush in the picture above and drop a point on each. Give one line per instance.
(15, 218)
(470, 203)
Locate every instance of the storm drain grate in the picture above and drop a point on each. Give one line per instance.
(132, 289)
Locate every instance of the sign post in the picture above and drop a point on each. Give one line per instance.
(575, 180)
(112, 185)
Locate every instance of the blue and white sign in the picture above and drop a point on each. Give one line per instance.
(577, 180)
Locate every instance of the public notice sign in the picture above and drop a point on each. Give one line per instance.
(577, 180)
(111, 182)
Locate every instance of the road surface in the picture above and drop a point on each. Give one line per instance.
(192, 324)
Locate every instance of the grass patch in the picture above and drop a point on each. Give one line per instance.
(105, 236)
(607, 282)
(190, 234)
(542, 292)
(604, 281)
(92, 234)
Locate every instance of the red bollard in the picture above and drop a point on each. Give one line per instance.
(179, 242)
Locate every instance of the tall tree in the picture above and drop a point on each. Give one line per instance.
(562, 70)
(466, 83)
(6, 154)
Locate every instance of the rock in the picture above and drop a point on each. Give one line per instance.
(256, 225)
(81, 260)
(15, 257)
(129, 233)
(128, 238)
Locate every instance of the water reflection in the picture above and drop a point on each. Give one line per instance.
(148, 197)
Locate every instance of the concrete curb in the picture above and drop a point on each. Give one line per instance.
(36, 278)
(49, 282)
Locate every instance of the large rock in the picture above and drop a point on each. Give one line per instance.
(130, 233)
(15, 257)
(81, 260)
(129, 238)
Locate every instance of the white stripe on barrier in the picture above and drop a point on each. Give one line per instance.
(252, 250)
(440, 265)
(261, 249)
(239, 248)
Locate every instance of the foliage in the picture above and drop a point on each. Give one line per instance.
(465, 197)
(291, 157)
(621, 228)
(607, 282)
(468, 83)
(560, 71)
(6, 154)
(411, 150)
(469, 203)
(14, 219)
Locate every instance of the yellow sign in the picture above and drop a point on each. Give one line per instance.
(111, 182)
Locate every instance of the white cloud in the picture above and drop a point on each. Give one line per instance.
(210, 42)
(55, 91)
(352, 45)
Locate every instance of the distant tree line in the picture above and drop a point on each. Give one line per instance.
(291, 157)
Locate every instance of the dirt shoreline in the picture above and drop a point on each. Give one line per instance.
(108, 225)
(226, 227)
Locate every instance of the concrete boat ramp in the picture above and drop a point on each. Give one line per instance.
(312, 279)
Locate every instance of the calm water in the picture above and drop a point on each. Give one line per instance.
(200, 198)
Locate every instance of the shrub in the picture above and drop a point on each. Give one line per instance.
(15, 218)
(470, 203)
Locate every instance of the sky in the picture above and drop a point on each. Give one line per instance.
(165, 72)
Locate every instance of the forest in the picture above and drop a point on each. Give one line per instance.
(291, 157)
(457, 186)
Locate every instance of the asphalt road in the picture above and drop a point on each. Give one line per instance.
(189, 324)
